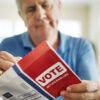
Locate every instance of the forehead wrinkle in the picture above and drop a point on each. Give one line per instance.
(39, 1)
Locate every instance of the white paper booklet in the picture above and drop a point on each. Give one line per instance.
(13, 87)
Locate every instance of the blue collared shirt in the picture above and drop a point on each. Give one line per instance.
(76, 52)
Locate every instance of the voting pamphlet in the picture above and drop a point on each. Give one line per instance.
(40, 75)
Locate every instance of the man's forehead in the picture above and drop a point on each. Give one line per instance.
(37, 0)
(34, 2)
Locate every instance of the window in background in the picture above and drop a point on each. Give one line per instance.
(9, 28)
(5, 28)
(19, 27)
(71, 27)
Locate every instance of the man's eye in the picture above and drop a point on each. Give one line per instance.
(45, 6)
(30, 9)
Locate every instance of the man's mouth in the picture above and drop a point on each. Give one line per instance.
(41, 24)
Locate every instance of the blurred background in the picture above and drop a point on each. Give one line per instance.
(79, 18)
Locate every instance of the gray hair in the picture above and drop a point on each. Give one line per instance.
(18, 3)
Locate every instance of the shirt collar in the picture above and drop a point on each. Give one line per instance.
(26, 41)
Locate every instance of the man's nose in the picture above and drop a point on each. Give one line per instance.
(40, 13)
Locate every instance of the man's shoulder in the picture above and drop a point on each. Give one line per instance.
(80, 43)
(74, 40)
(11, 42)
(76, 43)
(13, 39)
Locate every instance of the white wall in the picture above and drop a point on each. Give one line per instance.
(77, 12)
(8, 11)
(94, 28)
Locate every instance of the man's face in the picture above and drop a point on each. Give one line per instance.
(41, 17)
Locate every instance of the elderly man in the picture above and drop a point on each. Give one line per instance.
(41, 18)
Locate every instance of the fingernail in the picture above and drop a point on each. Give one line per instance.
(68, 89)
(62, 93)
(92, 87)
(1, 72)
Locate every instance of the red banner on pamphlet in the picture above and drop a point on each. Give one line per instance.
(48, 70)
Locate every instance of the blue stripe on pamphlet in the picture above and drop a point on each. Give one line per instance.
(24, 77)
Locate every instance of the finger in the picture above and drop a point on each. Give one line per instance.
(85, 86)
(64, 98)
(18, 58)
(7, 56)
(79, 96)
(4, 65)
(1, 72)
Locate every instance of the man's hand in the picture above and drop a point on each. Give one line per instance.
(87, 90)
(6, 61)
